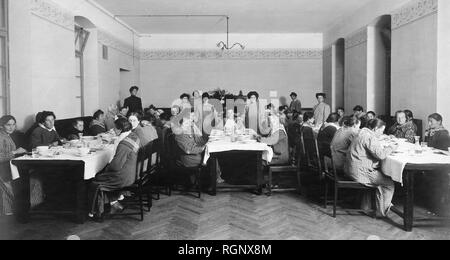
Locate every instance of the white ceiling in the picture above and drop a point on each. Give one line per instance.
(246, 16)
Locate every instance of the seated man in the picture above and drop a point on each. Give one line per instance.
(77, 130)
(191, 142)
(403, 128)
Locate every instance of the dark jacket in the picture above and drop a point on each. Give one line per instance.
(134, 104)
(43, 137)
(439, 140)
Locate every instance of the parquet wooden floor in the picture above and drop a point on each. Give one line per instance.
(229, 216)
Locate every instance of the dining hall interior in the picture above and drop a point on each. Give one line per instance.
(224, 120)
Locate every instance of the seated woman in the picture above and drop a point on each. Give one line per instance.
(294, 133)
(111, 117)
(77, 130)
(436, 135)
(343, 139)
(146, 134)
(97, 125)
(403, 128)
(326, 134)
(8, 150)
(364, 164)
(278, 140)
(45, 134)
(191, 142)
(120, 173)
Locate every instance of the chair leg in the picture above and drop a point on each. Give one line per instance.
(199, 186)
(299, 181)
(336, 197)
(269, 193)
(141, 205)
(374, 203)
(326, 194)
(149, 201)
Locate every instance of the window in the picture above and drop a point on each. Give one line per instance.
(4, 73)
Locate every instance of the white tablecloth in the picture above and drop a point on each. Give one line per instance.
(395, 164)
(227, 145)
(93, 163)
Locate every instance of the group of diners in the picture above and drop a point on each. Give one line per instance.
(353, 141)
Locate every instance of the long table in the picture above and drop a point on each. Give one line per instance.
(260, 151)
(403, 165)
(81, 170)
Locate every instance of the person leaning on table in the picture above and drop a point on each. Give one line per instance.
(364, 164)
(45, 134)
(120, 173)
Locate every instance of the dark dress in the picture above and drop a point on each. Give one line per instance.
(324, 138)
(120, 173)
(96, 128)
(43, 137)
(438, 139)
(74, 134)
(134, 104)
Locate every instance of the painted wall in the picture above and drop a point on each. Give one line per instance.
(376, 71)
(328, 75)
(414, 66)
(41, 27)
(164, 80)
(355, 89)
(338, 73)
(443, 67)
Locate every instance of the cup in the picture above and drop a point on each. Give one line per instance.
(42, 149)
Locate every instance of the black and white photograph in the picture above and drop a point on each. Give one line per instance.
(235, 122)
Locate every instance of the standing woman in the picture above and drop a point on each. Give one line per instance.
(8, 150)
(120, 173)
(436, 135)
(364, 164)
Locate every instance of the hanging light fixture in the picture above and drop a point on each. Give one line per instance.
(226, 46)
(222, 45)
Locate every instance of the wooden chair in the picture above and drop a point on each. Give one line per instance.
(273, 169)
(176, 172)
(340, 182)
(311, 150)
(140, 190)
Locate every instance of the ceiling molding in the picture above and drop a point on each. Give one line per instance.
(413, 11)
(50, 11)
(112, 42)
(269, 54)
(358, 38)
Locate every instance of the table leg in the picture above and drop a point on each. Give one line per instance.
(82, 200)
(213, 175)
(409, 201)
(22, 203)
(259, 173)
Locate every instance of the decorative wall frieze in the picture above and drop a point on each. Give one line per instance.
(260, 54)
(51, 12)
(413, 11)
(356, 39)
(328, 51)
(109, 40)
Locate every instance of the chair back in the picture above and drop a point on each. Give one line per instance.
(311, 148)
(330, 169)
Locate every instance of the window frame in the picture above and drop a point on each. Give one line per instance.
(4, 32)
